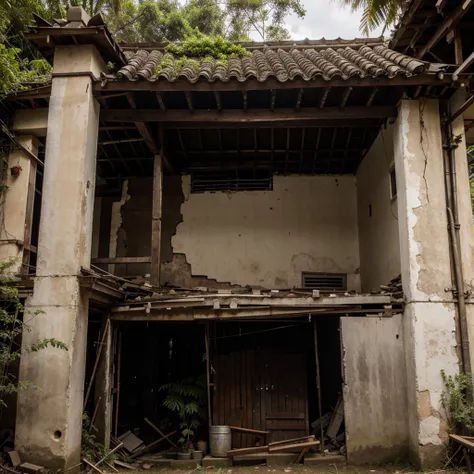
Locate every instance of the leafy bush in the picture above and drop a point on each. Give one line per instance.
(187, 398)
(457, 401)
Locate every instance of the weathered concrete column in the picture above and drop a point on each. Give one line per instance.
(49, 420)
(18, 204)
(429, 319)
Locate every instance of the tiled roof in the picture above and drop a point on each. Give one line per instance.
(283, 64)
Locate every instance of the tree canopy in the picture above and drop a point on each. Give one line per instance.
(375, 13)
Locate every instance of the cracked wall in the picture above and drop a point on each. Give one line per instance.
(267, 239)
(429, 317)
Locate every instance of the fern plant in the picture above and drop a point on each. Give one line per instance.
(457, 401)
(187, 399)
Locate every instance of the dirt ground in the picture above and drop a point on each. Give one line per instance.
(301, 469)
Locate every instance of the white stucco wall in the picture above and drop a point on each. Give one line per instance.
(378, 215)
(269, 238)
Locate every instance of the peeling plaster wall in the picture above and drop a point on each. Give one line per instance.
(429, 318)
(375, 395)
(269, 238)
(377, 213)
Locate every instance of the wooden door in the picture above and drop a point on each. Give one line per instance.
(285, 396)
(263, 390)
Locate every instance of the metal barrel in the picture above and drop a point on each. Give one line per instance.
(220, 440)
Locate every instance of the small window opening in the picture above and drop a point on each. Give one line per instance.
(393, 183)
(325, 281)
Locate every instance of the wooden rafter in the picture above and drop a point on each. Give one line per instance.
(189, 100)
(324, 97)
(244, 98)
(318, 138)
(345, 96)
(299, 98)
(239, 116)
(217, 96)
(448, 24)
(371, 97)
(273, 99)
(160, 100)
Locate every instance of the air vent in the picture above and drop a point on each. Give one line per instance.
(231, 180)
(325, 281)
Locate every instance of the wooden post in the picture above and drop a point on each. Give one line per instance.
(156, 221)
(29, 216)
(119, 367)
(318, 382)
(208, 372)
(458, 56)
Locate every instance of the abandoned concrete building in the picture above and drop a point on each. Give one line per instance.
(248, 222)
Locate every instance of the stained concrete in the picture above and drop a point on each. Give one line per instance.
(49, 420)
(303, 224)
(429, 318)
(15, 204)
(375, 395)
(377, 215)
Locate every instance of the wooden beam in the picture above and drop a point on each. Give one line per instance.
(448, 24)
(252, 115)
(290, 447)
(271, 83)
(345, 96)
(299, 98)
(458, 47)
(121, 260)
(156, 221)
(273, 99)
(318, 382)
(462, 109)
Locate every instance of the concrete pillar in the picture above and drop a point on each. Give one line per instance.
(18, 204)
(49, 420)
(465, 215)
(429, 319)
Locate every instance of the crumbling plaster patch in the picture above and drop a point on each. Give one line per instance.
(116, 224)
(269, 238)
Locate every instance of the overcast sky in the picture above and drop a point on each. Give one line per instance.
(326, 19)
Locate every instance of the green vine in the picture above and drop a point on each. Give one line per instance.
(457, 402)
(16, 71)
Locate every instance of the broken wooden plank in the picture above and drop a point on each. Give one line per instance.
(111, 467)
(86, 461)
(167, 437)
(301, 455)
(30, 468)
(289, 447)
(241, 451)
(462, 440)
(151, 445)
(293, 440)
(131, 442)
(124, 464)
(249, 430)
(14, 457)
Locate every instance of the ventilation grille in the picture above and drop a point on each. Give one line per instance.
(325, 281)
(232, 180)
